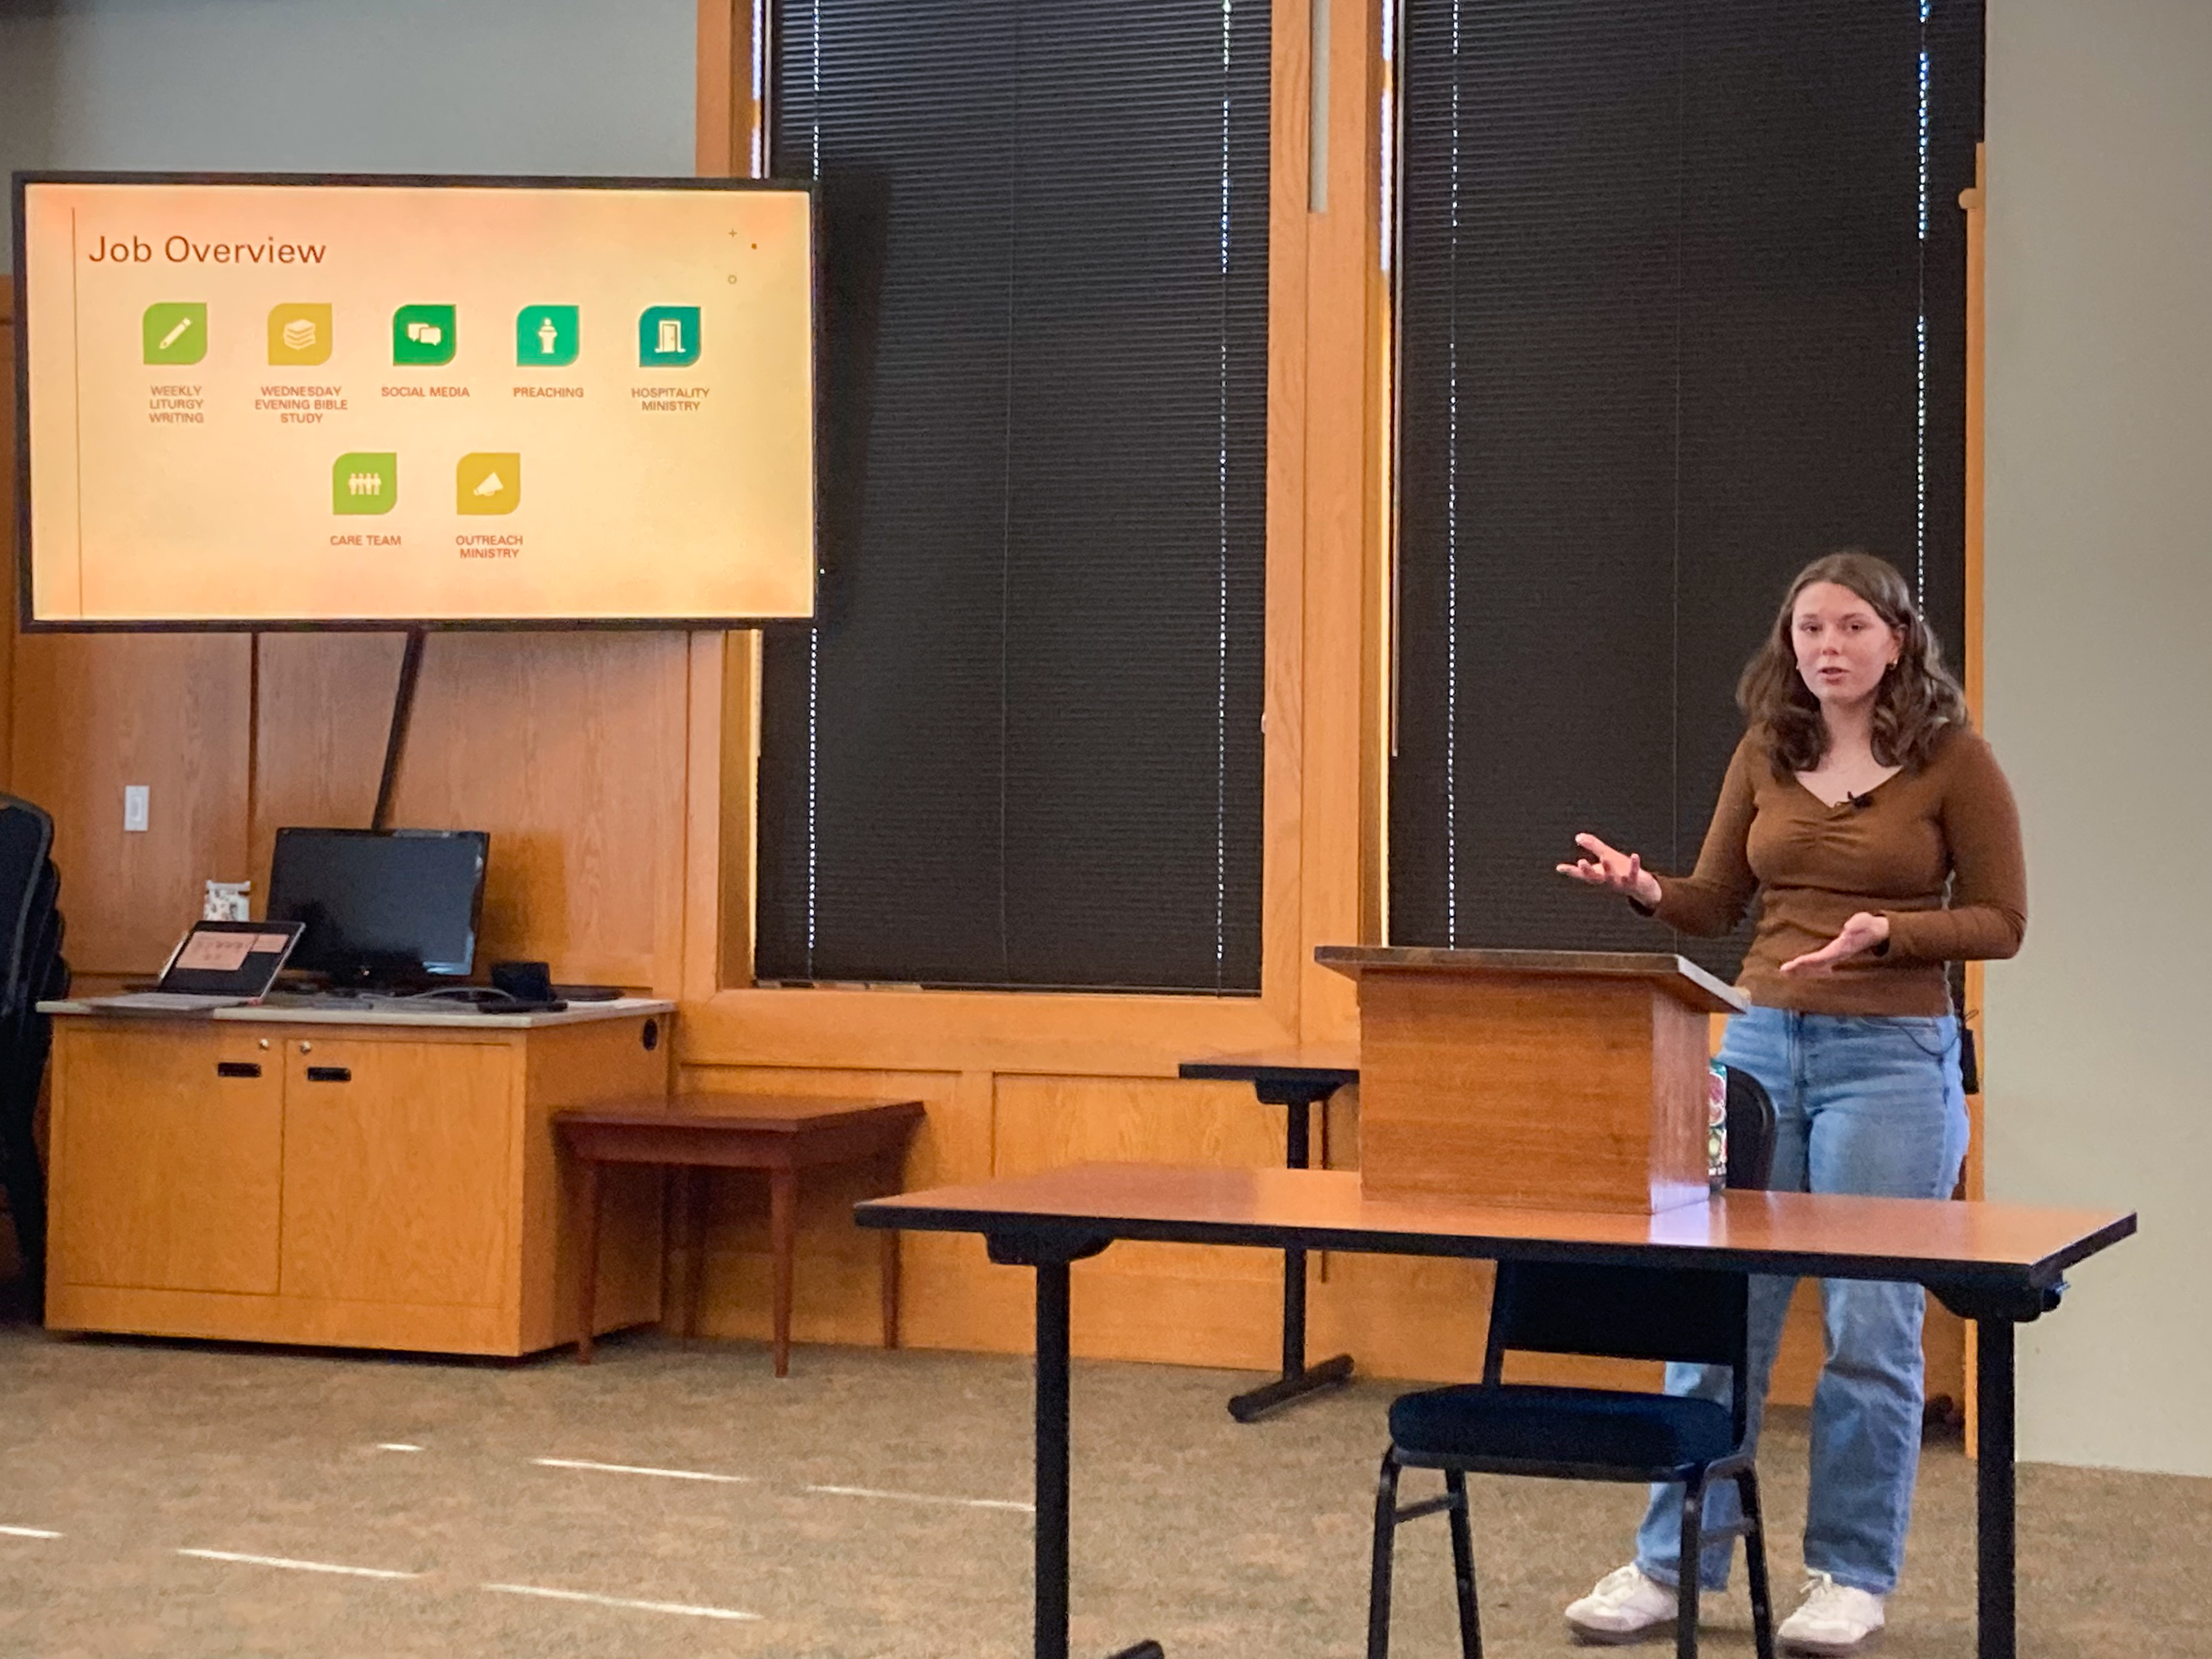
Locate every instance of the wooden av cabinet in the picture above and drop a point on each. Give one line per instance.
(356, 1179)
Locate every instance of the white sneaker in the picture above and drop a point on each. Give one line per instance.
(1624, 1607)
(1835, 1618)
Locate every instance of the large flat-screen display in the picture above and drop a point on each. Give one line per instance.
(252, 401)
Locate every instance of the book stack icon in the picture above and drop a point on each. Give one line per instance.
(299, 334)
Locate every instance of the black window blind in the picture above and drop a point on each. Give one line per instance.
(1021, 746)
(1682, 307)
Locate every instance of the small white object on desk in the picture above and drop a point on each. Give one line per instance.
(226, 900)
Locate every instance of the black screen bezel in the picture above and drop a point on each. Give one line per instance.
(431, 970)
(25, 622)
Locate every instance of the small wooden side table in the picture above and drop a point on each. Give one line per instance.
(780, 1134)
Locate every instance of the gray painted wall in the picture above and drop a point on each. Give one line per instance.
(431, 86)
(2099, 692)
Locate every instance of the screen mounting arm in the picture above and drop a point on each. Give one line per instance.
(395, 742)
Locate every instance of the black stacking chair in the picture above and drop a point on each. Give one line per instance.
(31, 970)
(1496, 1427)
(26, 886)
(25, 1036)
(1750, 1132)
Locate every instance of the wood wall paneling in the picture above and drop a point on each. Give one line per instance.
(902, 1030)
(95, 712)
(1378, 630)
(1975, 203)
(1188, 1303)
(322, 708)
(725, 753)
(1338, 350)
(570, 750)
(726, 118)
(1287, 756)
(951, 1295)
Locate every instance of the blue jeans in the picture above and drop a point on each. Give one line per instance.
(1863, 1105)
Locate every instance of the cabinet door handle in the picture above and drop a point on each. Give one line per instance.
(237, 1068)
(329, 1074)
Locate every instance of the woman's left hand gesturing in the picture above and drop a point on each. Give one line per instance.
(1861, 933)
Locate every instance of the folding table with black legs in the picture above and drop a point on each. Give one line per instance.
(2000, 1265)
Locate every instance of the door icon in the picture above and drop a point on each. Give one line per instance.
(668, 337)
(546, 337)
(487, 482)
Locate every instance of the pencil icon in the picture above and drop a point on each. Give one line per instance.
(169, 335)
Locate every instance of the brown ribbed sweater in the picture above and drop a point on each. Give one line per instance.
(1813, 866)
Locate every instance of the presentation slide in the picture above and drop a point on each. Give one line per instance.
(303, 402)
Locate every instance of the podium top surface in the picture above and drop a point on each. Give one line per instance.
(1677, 976)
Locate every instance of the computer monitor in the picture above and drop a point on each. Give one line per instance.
(380, 907)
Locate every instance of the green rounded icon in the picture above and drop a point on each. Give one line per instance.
(667, 337)
(424, 334)
(365, 482)
(547, 337)
(175, 331)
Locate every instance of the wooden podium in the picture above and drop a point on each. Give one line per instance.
(1548, 1079)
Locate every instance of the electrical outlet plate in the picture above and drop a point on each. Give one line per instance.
(135, 805)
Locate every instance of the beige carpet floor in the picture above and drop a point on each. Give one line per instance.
(870, 1507)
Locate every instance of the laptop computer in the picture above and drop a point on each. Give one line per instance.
(217, 964)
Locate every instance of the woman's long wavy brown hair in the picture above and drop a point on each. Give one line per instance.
(1917, 704)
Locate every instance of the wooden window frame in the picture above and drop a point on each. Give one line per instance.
(1327, 476)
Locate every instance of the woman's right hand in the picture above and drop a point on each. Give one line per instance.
(1607, 867)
